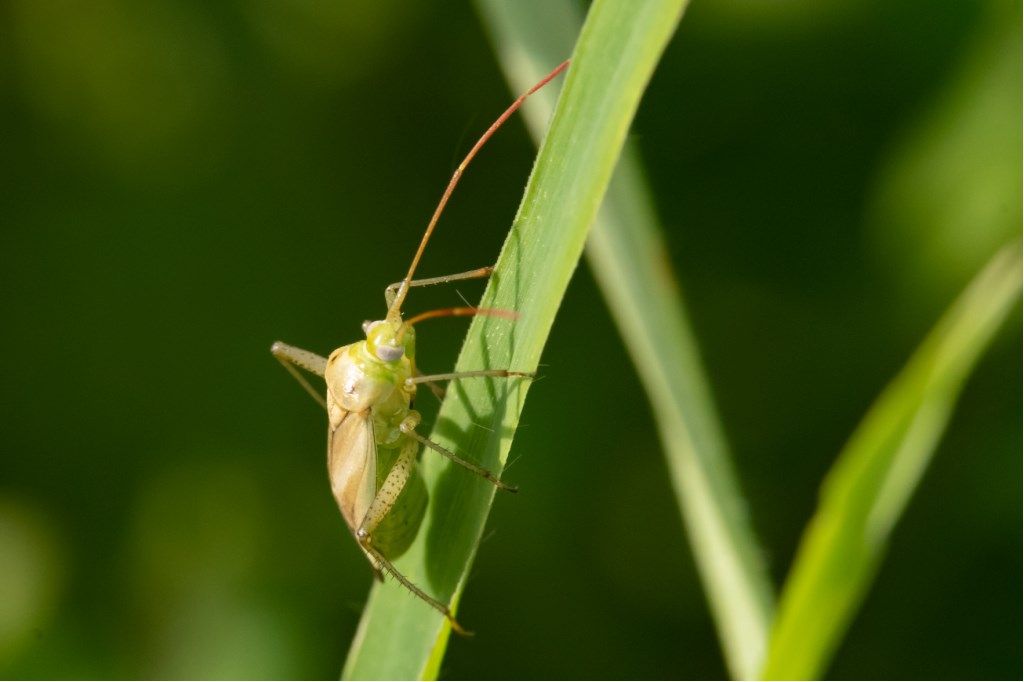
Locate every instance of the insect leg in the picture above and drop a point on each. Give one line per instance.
(435, 388)
(475, 468)
(431, 379)
(479, 273)
(425, 378)
(379, 509)
(291, 357)
(409, 585)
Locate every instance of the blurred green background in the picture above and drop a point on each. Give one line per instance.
(184, 182)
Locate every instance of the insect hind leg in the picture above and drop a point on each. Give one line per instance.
(378, 510)
(390, 569)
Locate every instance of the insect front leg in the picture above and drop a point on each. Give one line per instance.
(381, 506)
(479, 273)
(291, 357)
(435, 388)
(451, 376)
(431, 379)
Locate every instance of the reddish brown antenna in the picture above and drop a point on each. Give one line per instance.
(456, 312)
(394, 312)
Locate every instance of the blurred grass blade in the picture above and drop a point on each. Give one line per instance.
(869, 485)
(619, 46)
(629, 259)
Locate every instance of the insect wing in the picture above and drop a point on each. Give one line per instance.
(352, 466)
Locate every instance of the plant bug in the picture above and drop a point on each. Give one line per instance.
(372, 442)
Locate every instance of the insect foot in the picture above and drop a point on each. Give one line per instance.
(456, 628)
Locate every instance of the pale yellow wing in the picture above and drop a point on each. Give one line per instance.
(352, 466)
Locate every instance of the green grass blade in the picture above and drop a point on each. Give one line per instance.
(871, 482)
(618, 48)
(628, 256)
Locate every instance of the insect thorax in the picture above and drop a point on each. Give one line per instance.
(358, 381)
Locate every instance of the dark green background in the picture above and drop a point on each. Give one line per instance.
(184, 182)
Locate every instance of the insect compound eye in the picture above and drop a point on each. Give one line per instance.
(389, 353)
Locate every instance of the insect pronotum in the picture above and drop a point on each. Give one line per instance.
(372, 442)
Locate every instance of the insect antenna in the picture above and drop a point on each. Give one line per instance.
(394, 311)
(456, 312)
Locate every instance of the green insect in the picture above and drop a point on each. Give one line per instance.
(372, 442)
